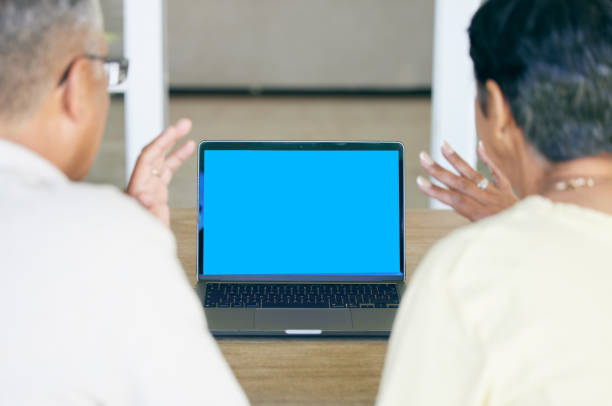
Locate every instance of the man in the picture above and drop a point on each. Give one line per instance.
(94, 306)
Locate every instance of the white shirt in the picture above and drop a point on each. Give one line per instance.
(94, 306)
(513, 310)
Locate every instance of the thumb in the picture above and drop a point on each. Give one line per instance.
(146, 200)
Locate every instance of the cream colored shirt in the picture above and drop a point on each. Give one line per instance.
(94, 306)
(513, 310)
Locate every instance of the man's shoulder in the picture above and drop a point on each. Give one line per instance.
(101, 226)
(99, 196)
(97, 212)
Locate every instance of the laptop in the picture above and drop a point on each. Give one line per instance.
(300, 238)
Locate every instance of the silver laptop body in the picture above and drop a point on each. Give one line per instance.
(300, 238)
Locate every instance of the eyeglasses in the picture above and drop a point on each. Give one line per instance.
(116, 70)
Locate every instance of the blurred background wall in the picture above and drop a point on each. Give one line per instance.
(329, 57)
(295, 43)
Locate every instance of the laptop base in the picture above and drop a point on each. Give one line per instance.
(301, 322)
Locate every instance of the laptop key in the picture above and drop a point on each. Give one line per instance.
(316, 295)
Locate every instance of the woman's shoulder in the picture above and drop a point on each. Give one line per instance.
(516, 238)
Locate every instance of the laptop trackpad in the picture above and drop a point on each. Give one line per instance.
(303, 319)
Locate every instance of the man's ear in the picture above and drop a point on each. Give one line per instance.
(75, 90)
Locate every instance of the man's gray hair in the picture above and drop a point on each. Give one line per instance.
(36, 36)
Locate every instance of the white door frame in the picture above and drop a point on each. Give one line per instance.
(453, 89)
(146, 90)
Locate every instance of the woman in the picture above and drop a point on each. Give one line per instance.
(517, 309)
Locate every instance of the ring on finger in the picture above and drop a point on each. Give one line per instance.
(483, 184)
(155, 172)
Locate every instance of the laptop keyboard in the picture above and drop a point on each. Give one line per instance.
(312, 295)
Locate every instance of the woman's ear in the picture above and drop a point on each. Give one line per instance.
(508, 134)
(498, 110)
(509, 143)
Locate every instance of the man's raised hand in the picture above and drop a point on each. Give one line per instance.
(156, 166)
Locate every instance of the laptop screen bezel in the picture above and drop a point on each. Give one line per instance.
(303, 146)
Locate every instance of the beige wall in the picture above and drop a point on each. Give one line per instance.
(303, 43)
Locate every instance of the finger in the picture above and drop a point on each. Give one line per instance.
(155, 148)
(184, 126)
(459, 164)
(167, 140)
(161, 145)
(449, 179)
(174, 161)
(461, 203)
(179, 130)
(499, 178)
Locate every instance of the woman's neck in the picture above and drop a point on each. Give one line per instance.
(585, 182)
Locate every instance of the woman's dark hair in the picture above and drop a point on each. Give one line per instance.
(552, 60)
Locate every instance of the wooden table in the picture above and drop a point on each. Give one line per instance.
(315, 371)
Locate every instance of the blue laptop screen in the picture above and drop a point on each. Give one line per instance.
(300, 213)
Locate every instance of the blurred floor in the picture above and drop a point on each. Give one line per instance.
(389, 119)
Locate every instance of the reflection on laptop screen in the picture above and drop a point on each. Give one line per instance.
(300, 213)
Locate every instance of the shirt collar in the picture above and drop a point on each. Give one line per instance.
(16, 158)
